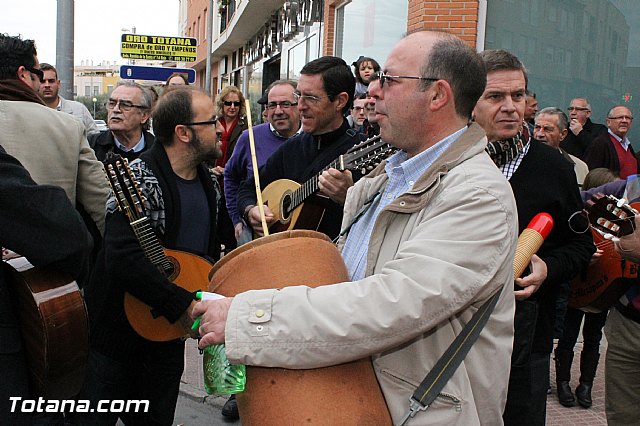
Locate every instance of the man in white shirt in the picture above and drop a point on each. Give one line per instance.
(49, 89)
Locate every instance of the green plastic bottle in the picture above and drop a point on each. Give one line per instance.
(221, 377)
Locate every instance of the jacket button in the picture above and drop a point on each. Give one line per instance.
(259, 313)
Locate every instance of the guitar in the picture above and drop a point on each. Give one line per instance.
(598, 287)
(184, 269)
(54, 327)
(286, 198)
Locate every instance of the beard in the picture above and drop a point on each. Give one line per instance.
(203, 153)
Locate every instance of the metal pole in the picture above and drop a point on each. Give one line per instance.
(64, 47)
(207, 74)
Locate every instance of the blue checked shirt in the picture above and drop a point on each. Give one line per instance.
(402, 173)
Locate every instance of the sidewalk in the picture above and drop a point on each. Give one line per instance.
(557, 415)
(192, 387)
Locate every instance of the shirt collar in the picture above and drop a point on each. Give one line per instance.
(275, 132)
(414, 167)
(136, 148)
(624, 142)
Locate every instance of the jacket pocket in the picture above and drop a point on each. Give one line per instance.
(444, 400)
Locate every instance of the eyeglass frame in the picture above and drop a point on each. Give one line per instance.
(577, 109)
(620, 117)
(309, 98)
(382, 77)
(236, 104)
(274, 105)
(123, 107)
(200, 123)
(37, 72)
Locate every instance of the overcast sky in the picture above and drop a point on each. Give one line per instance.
(98, 25)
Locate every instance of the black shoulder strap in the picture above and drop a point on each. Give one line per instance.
(440, 374)
(327, 156)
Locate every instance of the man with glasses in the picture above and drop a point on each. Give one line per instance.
(283, 122)
(613, 149)
(183, 202)
(128, 109)
(49, 91)
(54, 150)
(51, 146)
(358, 113)
(581, 129)
(324, 95)
(432, 240)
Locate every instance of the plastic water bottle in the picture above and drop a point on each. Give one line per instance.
(221, 377)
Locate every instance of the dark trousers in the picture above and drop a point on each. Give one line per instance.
(154, 376)
(529, 377)
(591, 330)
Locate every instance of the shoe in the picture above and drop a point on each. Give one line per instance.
(583, 394)
(230, 409)
(565, 396)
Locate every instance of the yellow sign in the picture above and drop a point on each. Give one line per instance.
(158, 48)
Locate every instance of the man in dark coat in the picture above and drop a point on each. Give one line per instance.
(581, 129)
(129, 109)
(38, 222)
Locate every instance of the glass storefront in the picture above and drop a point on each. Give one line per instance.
(573, 48)
(369, 28)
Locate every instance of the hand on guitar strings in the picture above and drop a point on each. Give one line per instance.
(213, 318)
(531, 283)
(334, 184)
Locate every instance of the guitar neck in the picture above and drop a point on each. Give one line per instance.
(311, 186)
(150, 245)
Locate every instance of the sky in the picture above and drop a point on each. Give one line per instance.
(98, 25)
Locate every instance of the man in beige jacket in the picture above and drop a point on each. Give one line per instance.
(435, 242)
(51, 146)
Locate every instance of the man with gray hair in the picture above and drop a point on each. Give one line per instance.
(551, 127)
(128, 108)
(613, 149)
(581, 129)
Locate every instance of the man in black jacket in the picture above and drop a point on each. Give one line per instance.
(324, 95)
(542, 181)
(38, 222)
(581, 129)
(128, 109)
(185, 209)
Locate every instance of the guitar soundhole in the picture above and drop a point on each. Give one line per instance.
(286, 207)
(171, 268)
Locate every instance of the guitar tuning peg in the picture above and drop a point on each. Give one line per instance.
(621, 202)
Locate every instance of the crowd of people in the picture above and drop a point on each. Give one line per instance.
(428, 237)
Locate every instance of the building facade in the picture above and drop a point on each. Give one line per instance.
(571, 47)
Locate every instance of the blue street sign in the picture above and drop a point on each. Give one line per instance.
(135, 72)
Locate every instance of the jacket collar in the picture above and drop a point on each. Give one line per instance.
(472, 142)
